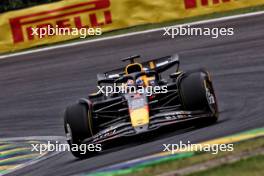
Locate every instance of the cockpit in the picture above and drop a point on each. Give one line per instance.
(133, 68)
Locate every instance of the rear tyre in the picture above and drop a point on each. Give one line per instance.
(197, 93)
(78, 126)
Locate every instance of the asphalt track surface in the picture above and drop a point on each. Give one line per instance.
(36, 88)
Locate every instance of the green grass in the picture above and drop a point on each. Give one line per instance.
(169, 166)
(159, 25)
(253, 166)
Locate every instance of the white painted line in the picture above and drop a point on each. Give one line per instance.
(129, 34)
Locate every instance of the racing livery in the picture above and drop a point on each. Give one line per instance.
(184, 96)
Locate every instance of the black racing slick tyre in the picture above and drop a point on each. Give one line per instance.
(78, 126)
(197, 93)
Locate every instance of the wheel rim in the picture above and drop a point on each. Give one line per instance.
(210, 96)
(69, 133)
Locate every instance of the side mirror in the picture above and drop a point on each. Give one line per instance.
(175, 75)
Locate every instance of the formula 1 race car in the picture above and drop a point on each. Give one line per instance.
(144, 101)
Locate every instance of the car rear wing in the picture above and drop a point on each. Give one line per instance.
(159, 65)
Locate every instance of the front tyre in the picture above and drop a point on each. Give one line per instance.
(78, 126)
(197, 93)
